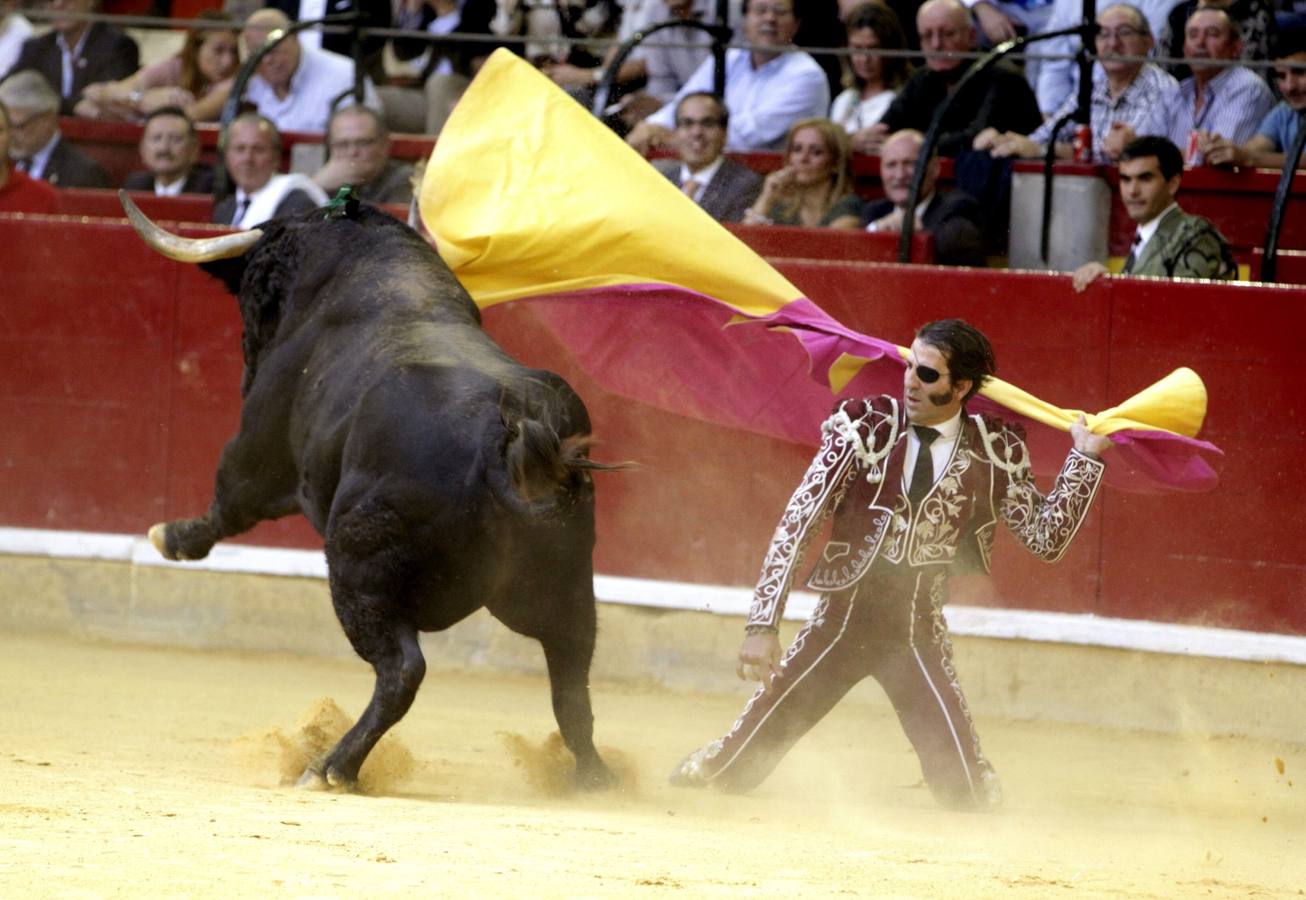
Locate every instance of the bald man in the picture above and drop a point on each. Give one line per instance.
(295, 86)
(1001, 98)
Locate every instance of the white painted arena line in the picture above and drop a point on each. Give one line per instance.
(1011, 624)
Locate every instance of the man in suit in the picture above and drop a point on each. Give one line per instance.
(953, 218)
(251, 152)
(169, 148)
(723, 187)
(1169, 242)
(76, 53)
(917, 489)
(37, 146)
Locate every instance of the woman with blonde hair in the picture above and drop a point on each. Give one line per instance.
(814, 187)
(197, 79)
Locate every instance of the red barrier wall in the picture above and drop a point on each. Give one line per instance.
(119, 382)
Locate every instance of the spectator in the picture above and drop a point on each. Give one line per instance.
(34, 137)
(375, 13)
(18, 191)
(1129, 98)
(768, 86)
(251, 151)
(1000, 99)
(1255, 20)
(446, 67)
(724, 188)
(814, 187)
(820, 25)
(359, 148)
(952, 218)
(1059, 78)
(1002, 20)
(1216, 101)
(76, 53)
(197, 80)
(871, 81)
(1169, 242)
(295, 87)
(1279, 127)
(169, 149)
(665, 68)
(14, 30)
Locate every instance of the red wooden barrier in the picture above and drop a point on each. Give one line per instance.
(119, 374)
(786, 241)
(105, 203)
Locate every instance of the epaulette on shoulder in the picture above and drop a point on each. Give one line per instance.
(995, 425)
(870, 427)
(1004, 442)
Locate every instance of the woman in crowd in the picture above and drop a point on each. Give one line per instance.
(197, 80)
(814, 187)
(871, 82)
(18, 192)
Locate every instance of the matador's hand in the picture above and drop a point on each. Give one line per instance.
(1086, 442)
(759, 656)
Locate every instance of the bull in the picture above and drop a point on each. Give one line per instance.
(443, 475)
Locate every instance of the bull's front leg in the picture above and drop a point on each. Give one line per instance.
(248, 489)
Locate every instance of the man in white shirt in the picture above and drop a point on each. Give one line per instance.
(768, 87)
(295, 86)
(251, 153)
(722, 187)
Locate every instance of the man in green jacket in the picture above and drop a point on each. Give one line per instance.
(1168, 242)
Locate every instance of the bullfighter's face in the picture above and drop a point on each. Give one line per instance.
(929, 393)
(251, 155)
(1144, 190)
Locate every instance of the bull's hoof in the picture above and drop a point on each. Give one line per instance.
(312, 780)
(159, 538)
(595, 777)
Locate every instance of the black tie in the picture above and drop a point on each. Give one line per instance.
(1133, 252)
(241, 207)
(922, 475)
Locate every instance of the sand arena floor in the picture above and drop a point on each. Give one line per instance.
(129, 771)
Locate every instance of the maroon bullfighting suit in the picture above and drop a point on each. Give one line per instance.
(883, 577)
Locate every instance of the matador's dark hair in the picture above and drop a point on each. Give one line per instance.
(969, 354)
(1168, 157)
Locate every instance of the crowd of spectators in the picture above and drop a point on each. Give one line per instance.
(815, 81)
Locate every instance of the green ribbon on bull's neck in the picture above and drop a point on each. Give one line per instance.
(339, 205)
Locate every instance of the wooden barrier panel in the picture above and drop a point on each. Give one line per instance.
(105, 203)
(787, 241)
(120, 371)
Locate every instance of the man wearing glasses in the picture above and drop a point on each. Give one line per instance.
(916, 487)
(359, 148)
(724, 188)
(1130, 97)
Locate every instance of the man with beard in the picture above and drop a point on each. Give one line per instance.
(1169, 242)
(769, 86)
(169, 148)
(1279, 127)
(723, 187)
(953, 219)
(916, 489)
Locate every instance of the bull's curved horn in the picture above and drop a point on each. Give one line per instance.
(182, 249)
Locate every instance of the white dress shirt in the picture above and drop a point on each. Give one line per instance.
(320, 77)
(702, 177)
(940, 450)
(41, 158)
(763, 101)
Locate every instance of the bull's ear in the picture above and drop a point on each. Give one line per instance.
(228, 271)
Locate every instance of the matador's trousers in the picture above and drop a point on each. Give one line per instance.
(888, 625)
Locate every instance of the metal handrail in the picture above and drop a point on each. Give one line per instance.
(1292, 155)
(720, 37)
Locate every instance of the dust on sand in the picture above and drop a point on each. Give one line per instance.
(116, 777)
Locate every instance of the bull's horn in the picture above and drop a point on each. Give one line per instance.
(189, 250)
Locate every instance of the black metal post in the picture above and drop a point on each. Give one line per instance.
(1291, 156)
(720, 37)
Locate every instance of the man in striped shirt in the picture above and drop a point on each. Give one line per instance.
(1216, 102)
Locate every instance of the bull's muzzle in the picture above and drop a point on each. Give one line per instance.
(183, 249)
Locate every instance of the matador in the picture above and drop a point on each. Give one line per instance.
(916, 489)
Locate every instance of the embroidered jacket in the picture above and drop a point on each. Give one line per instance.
(857, 476)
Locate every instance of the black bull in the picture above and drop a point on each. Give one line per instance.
(443, 475)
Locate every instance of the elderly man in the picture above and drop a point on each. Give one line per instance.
(36, 144)
(18, 191)
(76, 53)
(169, 148)
(723, 187)
(1000, 99)
(1216, 102)
(953, 219)
(295, 86)
(1129, 98)
(769, 86)
(1169, 242)
(359, 148)
(916, 487)
(251, 151)
(1277, 130)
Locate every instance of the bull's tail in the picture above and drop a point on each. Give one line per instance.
(541, 467)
